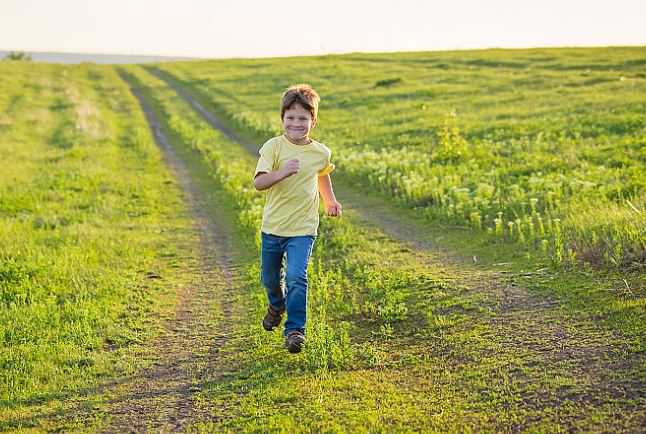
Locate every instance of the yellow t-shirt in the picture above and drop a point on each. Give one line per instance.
(292, 206)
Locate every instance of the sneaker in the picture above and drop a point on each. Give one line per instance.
(294, 341)
(272, 318)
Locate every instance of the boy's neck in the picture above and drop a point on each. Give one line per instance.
(304, 141)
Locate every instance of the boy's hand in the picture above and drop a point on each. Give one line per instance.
(291, 167)
(333, 209)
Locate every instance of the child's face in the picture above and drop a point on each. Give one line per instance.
(297, 124)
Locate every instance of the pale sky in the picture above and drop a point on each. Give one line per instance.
(257, 28)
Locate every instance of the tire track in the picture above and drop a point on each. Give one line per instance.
(161, 397)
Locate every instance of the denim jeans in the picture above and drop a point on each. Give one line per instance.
(287, 257)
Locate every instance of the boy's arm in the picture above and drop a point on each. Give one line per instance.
(332, 207)
(264, 180)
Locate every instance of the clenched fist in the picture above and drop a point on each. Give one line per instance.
(333, 209)
(292, 167)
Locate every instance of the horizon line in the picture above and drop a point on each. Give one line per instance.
(330, 53)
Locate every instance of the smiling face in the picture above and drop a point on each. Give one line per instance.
(297, 124)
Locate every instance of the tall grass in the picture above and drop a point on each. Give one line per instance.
(511, 142)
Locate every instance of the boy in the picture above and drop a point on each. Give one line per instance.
(294, 169)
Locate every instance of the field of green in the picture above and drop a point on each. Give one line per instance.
(534, 158)
(399, 341)
(83, 233)
(546, 148)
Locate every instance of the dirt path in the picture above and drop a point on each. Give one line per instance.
(160, 399)
(546, 339)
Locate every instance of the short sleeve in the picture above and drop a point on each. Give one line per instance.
(266, 160)
(329, 167)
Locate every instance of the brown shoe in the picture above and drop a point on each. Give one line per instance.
(272, 318)
(294, 341)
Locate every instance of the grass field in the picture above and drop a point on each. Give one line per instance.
(376, 301)
(484, 154)
(541, 147)
(83, 237)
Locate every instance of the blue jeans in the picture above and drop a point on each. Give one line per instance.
(287, 257)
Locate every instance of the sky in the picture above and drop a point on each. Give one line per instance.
(262, 28)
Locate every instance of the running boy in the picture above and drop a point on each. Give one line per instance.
(294, 169)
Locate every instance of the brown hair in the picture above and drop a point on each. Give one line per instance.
(302, 94)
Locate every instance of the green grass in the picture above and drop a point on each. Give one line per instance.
(542, 147)
(83, 227)
(612, 295)
(396, 340)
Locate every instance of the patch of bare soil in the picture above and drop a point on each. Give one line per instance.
(161, 397)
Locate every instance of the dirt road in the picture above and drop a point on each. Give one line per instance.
(161, 398)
